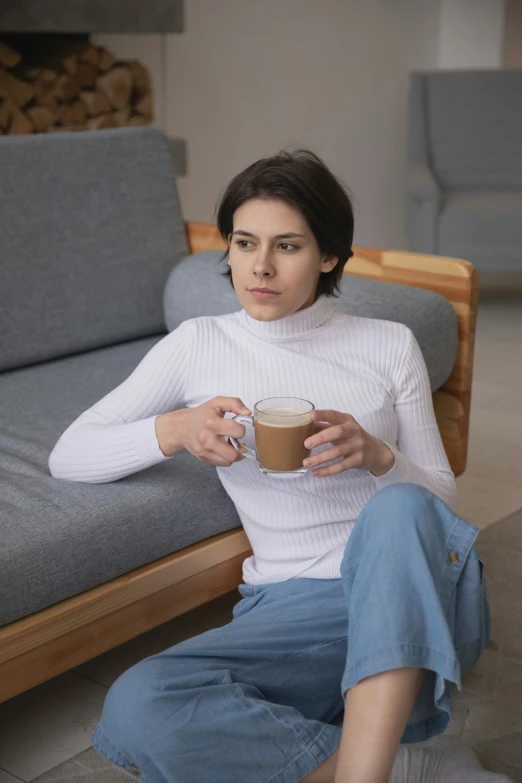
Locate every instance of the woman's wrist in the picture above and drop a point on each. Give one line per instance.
(384, 460)
(169, 432)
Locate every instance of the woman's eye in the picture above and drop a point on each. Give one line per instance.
(287, 246)
(242, 243)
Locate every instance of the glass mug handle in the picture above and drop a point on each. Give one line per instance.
(244, 450)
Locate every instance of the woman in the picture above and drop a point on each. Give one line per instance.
(364, 589)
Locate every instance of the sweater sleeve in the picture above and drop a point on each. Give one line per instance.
(419, 456)
(117, 435)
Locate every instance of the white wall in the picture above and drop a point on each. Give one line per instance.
(247, 78)
(471, 34)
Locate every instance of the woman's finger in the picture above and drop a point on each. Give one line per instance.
(341, 450)
(212, 459)
(219, 447)
(329, 434)
(321, 425)
(348, 463)
(332, 417)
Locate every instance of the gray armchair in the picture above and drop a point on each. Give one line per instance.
(464, 177)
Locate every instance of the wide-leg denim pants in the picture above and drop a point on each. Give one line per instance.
(252, 702)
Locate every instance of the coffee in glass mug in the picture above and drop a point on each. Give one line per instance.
(281, 426)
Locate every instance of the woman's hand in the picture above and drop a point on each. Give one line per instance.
(357, 447)
(202, 431)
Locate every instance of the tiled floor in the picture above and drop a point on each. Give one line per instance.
(491, 487)
(488, 712)
(44, 727)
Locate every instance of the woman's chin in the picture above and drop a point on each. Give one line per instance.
(265, 311)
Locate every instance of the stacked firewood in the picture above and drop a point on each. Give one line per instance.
(85, 90)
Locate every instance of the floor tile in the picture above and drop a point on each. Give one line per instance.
(510, 403)
(509, 678)
(499, 321)
(506, 635)
(482, 502)
(485, 392)
(496, 560)
(498, 426)
(491, 487)
(458, 719)
(86, 767)
(501, 750)
(481, 683)
(509, 534)
(106, 668)
(5, 777)
(48, 724)
(502, 767)
(492, 461)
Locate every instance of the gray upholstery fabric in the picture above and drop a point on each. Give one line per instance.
(475, 129)
(196, 287)
(422, 190)
(59, 538)
(90, 227)
(479, 225)
(465, 140)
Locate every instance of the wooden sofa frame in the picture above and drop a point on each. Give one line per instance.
(53, 640)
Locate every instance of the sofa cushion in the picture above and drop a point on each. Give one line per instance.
(59, 538)
(197, 287)
(474, 126)
(485, 228)
(90, 226)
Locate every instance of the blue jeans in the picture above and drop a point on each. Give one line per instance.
(251, 702)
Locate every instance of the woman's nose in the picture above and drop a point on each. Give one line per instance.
(263, 263)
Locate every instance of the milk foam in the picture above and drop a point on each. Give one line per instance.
(288, 417)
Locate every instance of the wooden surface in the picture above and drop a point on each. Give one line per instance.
(203, 236)
(47, 643)
(454, 279)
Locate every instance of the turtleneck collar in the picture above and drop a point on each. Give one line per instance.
(292, 325)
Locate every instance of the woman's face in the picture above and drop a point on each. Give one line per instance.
(272, 247)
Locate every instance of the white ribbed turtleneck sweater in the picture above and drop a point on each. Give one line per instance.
(297, 527)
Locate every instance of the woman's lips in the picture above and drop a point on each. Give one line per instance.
(260, 294)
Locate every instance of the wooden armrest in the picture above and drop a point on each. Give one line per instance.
(453, 278)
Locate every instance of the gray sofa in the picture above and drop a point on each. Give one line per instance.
(93, 262)
(464, 178)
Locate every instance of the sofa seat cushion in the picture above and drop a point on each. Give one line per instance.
(485, 228)
(59, 538)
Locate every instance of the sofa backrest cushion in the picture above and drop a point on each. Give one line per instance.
(474, 127)
(90, 227)
(196, 287)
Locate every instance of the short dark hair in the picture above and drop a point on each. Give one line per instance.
(302, 180)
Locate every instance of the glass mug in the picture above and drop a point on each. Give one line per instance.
(281, 426)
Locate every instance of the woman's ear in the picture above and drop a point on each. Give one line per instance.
(328, 263)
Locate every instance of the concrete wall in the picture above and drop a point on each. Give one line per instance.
(471, 34)
(247, 78)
